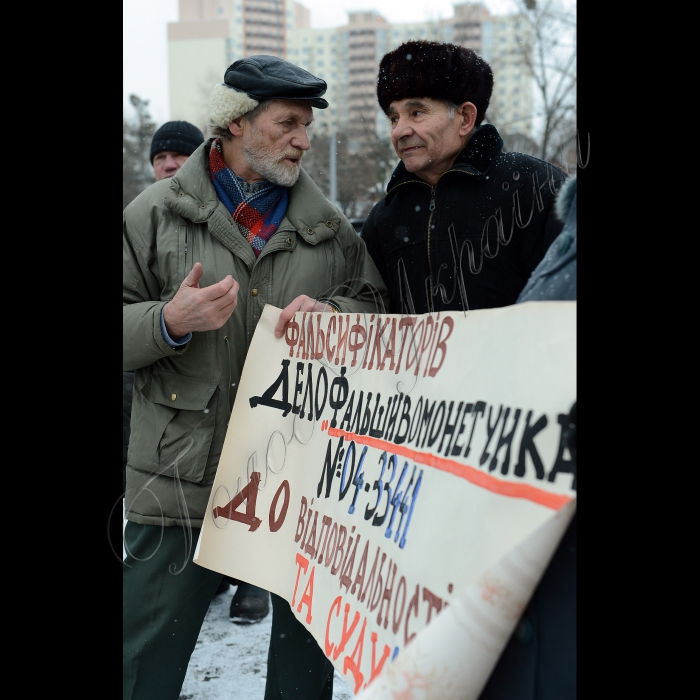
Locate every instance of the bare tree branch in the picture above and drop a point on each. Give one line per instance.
(137, 173)
(549, 53)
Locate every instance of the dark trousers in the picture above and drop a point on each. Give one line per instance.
(297, 669)
(164, 607)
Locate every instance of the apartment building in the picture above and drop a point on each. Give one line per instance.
(211, 34)
(511, 107)
(323, 52)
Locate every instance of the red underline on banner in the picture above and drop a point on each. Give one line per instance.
(464, 471)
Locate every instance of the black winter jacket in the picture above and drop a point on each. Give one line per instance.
(488, 221)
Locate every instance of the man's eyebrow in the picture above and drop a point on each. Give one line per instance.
(293, 115)
(410, 104)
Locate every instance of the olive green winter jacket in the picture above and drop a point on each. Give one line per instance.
(183, 397)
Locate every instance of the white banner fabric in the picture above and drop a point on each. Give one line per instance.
(403, 482)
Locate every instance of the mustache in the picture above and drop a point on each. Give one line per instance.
(292, 154)
(408, 143)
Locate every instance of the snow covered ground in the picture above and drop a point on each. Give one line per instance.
(230, 661)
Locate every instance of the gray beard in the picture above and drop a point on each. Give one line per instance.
(269, 166)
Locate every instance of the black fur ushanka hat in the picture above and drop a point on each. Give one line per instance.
(440, 71)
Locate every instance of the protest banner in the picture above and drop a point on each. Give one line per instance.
(380, 469)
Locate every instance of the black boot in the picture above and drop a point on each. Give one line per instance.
(249, 604)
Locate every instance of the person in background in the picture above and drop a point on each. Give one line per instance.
(554, 279)
(172, 144)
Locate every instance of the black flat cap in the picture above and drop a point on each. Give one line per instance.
(270, 78)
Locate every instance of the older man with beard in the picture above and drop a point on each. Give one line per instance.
(241, 225)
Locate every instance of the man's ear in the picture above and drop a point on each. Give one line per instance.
(235, 127)
(468, 112)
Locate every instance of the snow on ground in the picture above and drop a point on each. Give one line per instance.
(230, 661)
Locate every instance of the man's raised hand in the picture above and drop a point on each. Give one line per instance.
(193, 309)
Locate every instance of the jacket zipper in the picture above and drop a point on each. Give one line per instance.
(186, 271)
(430, 220)
(430, 264)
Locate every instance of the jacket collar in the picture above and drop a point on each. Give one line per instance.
(192, 195)
(477, 156)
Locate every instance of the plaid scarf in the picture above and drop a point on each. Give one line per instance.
(257, 207)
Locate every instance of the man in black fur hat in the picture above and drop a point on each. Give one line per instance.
(463, 224)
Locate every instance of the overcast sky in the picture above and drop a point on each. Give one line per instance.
(145, 70)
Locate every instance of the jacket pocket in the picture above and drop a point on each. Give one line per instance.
(186, 410)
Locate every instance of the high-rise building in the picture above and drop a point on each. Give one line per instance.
(504, 40)
(211, 34)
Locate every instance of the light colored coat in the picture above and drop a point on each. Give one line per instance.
(183, 398)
